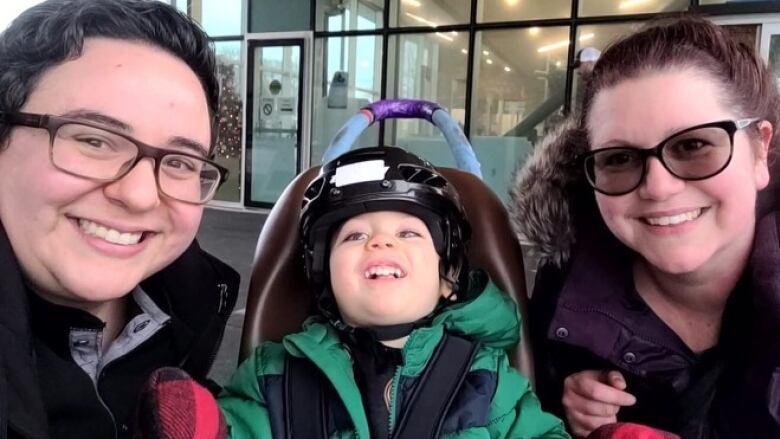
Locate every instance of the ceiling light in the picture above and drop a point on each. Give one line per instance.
(507, 69)
(485, 52)
(534, 30)
(489, 61)
(443, 36)
(511, 2)
(464, 51)
(627, 4)
(553, 46)
(563, 43)
(412, 3)
(421, 20)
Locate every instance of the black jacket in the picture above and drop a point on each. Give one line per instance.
(197, 291)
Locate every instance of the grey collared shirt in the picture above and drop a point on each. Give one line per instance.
(86, 344)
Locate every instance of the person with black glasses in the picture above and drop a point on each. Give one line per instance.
(107, 134)
(657, 298)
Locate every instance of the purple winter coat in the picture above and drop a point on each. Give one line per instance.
(586, 314)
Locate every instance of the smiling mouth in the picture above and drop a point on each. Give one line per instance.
(108, 234)
(674, 220)
(384, 272)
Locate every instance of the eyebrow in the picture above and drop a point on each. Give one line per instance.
(190, 144)
(111, 122)
(100, 118)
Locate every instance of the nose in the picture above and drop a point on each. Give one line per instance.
(380, 241)
(136, 190)
(659, 184)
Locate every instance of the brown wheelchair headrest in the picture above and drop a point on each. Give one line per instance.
(279, 297)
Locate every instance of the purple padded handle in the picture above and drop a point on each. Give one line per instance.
(402, 109)
(412, 109)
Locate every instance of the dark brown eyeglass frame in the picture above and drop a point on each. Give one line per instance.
(53, 123)
(729, 126)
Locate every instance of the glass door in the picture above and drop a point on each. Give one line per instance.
(275, 94)
(770, 47)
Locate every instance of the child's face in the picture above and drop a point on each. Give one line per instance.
(384, 270)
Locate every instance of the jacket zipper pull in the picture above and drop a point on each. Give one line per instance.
(223, 298)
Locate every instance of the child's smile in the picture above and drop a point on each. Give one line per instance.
(378, 270)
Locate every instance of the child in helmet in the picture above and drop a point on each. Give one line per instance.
(407, 343)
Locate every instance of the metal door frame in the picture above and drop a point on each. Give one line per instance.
(303, 152)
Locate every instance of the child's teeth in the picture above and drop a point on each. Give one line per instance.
(374, 272)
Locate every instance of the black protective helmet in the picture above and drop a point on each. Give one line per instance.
(375, 179)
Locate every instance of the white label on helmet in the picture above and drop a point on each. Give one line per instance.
(371, 170)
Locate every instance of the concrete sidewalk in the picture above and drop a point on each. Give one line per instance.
(231, 236)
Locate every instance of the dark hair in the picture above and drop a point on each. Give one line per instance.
(54, 31)
(745, 81)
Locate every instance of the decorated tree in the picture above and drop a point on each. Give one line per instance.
(229, 131)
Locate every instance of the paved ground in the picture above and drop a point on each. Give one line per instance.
(231, 236)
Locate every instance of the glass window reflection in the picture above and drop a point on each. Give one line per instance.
(338, 16)
(347, 76)
(429, 13)
(597, 37)
(218, 17)
(228, 148)
(431, 67)
(628, 7)
(508, 10)
(722, 2)
(519, 90)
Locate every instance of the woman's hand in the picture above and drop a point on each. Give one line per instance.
(592, 398)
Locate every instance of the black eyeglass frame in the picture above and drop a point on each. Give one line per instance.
(52, 124)
(729, 126)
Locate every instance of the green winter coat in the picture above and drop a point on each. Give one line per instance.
(494, 402)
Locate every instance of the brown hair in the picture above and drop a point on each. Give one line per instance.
(746, 82)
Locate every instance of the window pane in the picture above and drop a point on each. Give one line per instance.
(623, 7)
(335, 16)
(218, 17)
(348, 75)
(774, 57)
(519, 91)
(181, 5)
(429, 13)
(431, 67)
(11, 10)
(723, 2)
(280, 16)
(230, 117)
(508, 10)
(598, 37)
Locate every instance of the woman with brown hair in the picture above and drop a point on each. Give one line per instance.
(657, 300)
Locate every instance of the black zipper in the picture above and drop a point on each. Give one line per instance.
(103, 403)
(223, 305)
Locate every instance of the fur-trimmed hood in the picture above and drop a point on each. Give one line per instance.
(542, 208)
